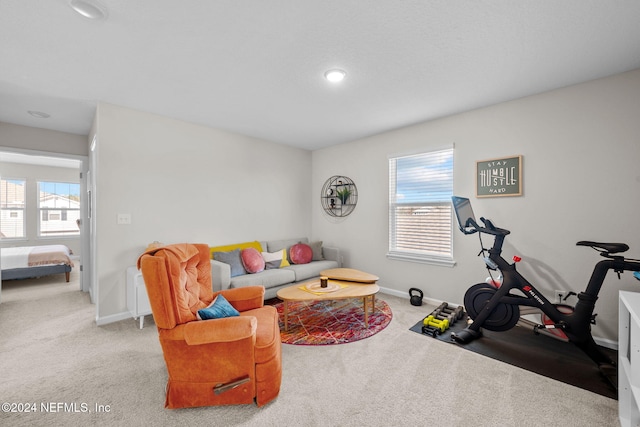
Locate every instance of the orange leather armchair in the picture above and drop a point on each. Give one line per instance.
(210, 362)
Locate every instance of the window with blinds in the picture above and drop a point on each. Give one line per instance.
(420, 190)
(59, 208)
(12, 208)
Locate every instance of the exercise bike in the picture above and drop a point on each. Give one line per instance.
(498, 308)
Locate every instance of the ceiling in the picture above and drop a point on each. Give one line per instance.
(256, 67)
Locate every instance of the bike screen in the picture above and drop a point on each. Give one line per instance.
(464, 214)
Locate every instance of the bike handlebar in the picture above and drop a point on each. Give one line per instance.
(489, 228)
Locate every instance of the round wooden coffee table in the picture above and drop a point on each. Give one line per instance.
(349, 275)
(336, 289)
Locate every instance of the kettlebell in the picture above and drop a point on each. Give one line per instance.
(416, 299)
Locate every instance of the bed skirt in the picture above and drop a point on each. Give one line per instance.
(30, 272)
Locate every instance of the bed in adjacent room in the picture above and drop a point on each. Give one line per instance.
(35, 261)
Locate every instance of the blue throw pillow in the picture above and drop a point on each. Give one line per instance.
(218, 309)
(233, 259)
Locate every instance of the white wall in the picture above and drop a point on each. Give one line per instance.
(581, 165)
(32, 174)
(187, 183)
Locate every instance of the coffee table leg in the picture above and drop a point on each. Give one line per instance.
(366, 312)
(371, 298)
(286, 315)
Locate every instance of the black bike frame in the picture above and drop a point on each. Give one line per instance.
(576, 325)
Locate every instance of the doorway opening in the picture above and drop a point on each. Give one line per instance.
(44, 203)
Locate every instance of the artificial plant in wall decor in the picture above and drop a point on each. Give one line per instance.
(339, 196)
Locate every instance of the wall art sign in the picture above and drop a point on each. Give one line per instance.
(499, 177)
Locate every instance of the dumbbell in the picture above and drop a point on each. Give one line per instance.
(442, 325)
(430, 330)
(442, 306)
(453, 316)
(440, 315)
(458, 311)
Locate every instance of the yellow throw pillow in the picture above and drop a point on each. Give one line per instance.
(229, 248)
(285, 263)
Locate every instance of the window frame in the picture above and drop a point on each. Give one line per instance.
(23, 209)
(431, 159)
(63, 212)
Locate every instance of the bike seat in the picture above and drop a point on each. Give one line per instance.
(612, 248)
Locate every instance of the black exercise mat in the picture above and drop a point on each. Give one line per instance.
(541, 354)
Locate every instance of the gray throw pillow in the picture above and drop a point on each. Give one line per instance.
(233, 259)
(316, 247)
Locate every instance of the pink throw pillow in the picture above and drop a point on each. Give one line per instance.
(252, 260)
(301, 253)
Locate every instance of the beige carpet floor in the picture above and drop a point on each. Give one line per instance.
(52, 355)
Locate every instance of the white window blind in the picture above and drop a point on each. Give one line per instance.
(12, 197)
(420, 190)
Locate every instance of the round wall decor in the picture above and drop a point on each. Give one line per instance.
(339, 196)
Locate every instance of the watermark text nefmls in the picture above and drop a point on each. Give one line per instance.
(54, 407)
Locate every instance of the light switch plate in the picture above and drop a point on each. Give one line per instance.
(124, 219)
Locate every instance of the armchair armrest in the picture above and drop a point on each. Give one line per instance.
(228, 329)
(332, 254)
(245, 298)
(220, 275)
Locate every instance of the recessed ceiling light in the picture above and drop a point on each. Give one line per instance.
(335, 76)
(39, 114)
(89, 9)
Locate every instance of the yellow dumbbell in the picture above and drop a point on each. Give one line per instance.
(442, 325)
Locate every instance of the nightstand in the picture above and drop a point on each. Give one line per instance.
(137, 299)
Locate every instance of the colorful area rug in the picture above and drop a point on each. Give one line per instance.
(331, 322)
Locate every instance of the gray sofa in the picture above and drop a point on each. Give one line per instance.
(275, 279)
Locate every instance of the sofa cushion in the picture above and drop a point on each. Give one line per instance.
(313, 269)
(252, 260)
(277, 259)
(276, 245)
(300, 253)
(316, 247)
(266, 278)
(233, 259)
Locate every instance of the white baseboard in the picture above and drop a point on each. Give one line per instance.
(405, 295)
(100, 321)
(604, 342)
